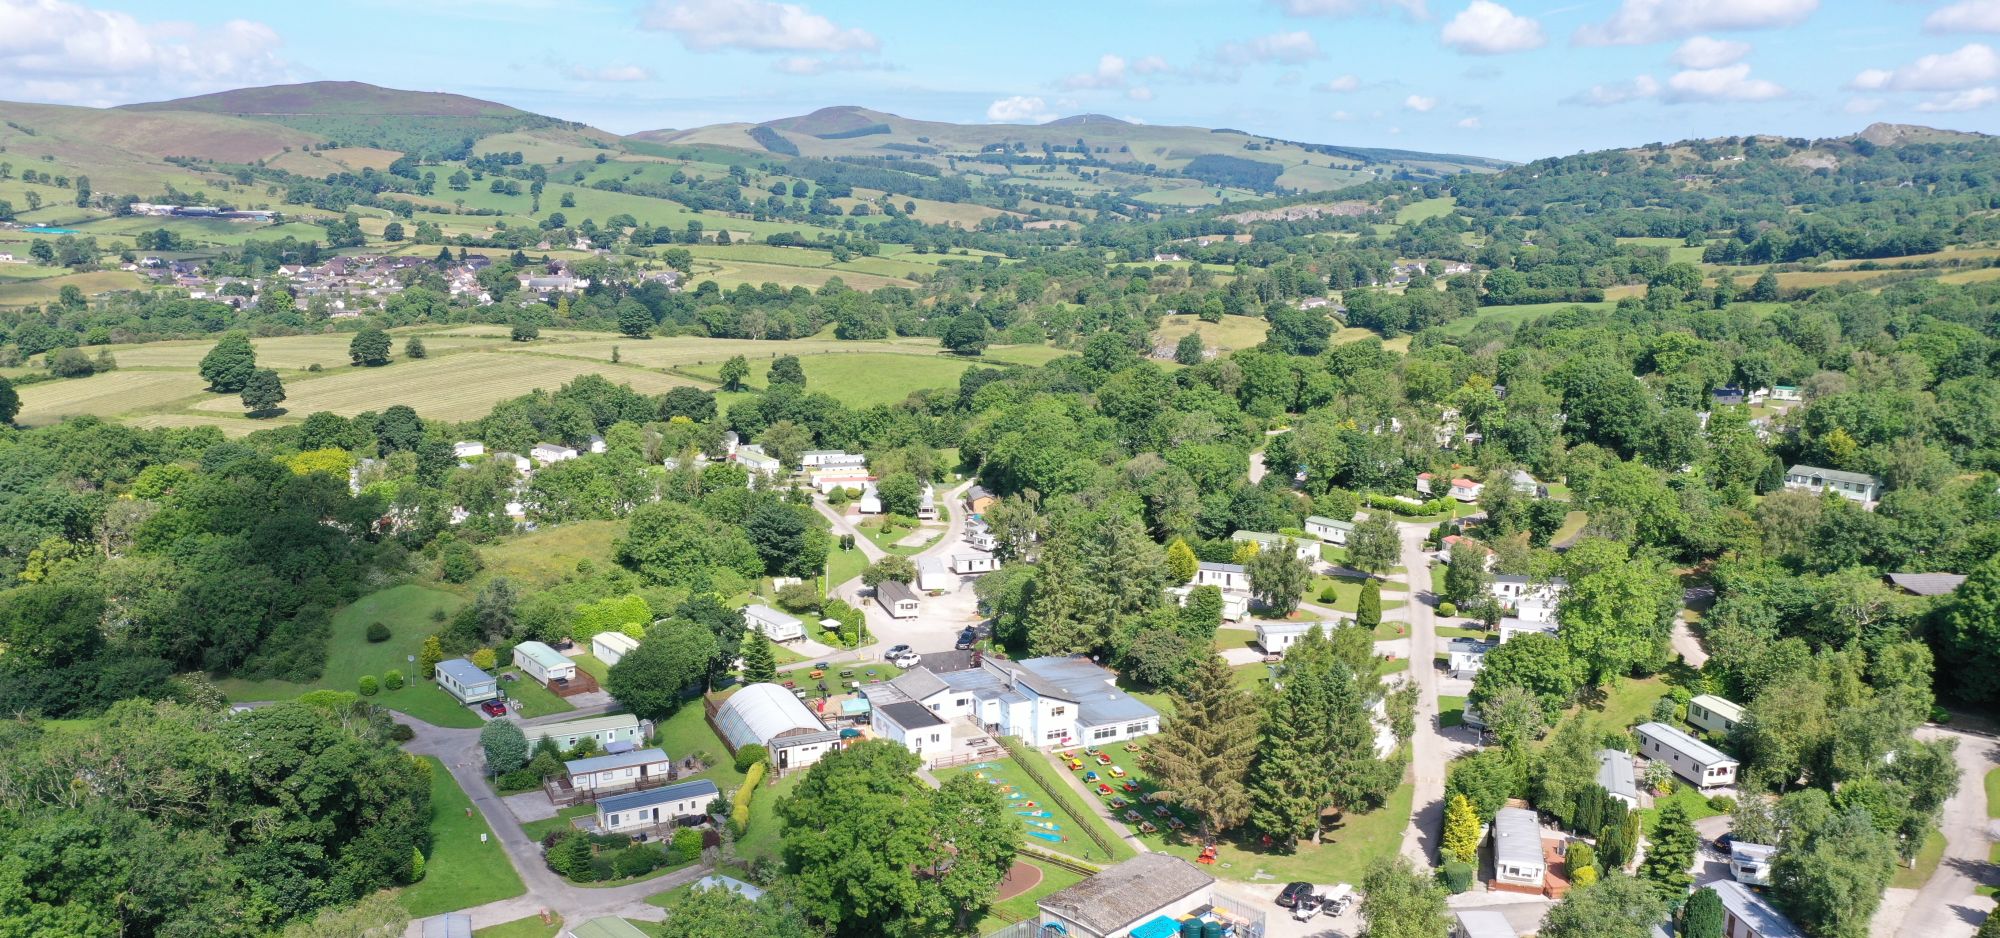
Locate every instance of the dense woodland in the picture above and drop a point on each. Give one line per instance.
(139, 564)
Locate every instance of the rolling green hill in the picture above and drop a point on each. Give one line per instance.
(352, 113)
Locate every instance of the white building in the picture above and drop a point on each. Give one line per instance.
(1526, 598)
(1511, 626)
(933, 577)
(1466, 490)
(773, 717)
(1786, 392)
(658, 807)
(1329, 530)
(972, 563)
(1276, 637)
(1481, 923)
(1517, 849)
(832, 459)
(619, 771)
(752, 457)
(614, 733)
(897, 599)
(1235, 606)
(543, 663)
(609, 647)
(772, 624)
(1229, 577)
(914, 725)
(1690, 758)
(979, 537)
(1750, 863)
(466, 682)
(1123, 897)
(1853, 486)
(1746, 914)
(1054, 701)
(870, 502)
(1712, 714)
(466, 449)
(1465, 656)
(927, 509)
(551, 453)
(1303, 549)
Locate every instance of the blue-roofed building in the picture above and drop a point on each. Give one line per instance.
(619, 771)
(658, 807)
(464, 681)
(1055, 701)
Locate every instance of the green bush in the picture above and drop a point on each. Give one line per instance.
(600, 870)
(686, 846)
(739, 810)
(519, 780)
(377, 632)
(392, 679)
(1329, 596)
(1457, 876)
(750, 755)
(1721, 804)
(638, 861)
(416, 871)
(369, 685)
(1447, 609)
(402, 732)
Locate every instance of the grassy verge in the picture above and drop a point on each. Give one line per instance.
(466, 865)
(1690, 800)
(1075, 842)
(1347, 594)
(844, 565)
(766, 832)
(530, 927)
(1451, 711)
(410, 613)
(1914, 877)
(537, 830)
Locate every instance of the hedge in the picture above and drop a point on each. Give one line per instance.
(739, 809)
(1038, 768)
(1436, 506)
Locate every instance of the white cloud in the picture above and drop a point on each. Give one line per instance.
(1150, 65)
(1967, 100)
(1709, 52)
(611, 73)
(1729, 83)
(1141, 93)
(754, 26)
(1863, 105)
(1420, 103)
(1487, 28)
(1639, 22)
(1110, 73)
(820, 65)
(70, 52)
(1966, 16)
(1289, 48)
(1644, 86)
(1340, 85)
(1974, 64)
(1019, 109)
(1470, 123)
(1412, 8)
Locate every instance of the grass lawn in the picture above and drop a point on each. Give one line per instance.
(1452, 631)
(530, 927)
(844, 565)
(1914, 877)
(1054, 879)
(1993, 793)
(529, 698)
(591, 665)
(1451, 710)
(537, 830)
(408, 612)
(1625, 704)
(766, 830)
(1070, 827)
(1347, 594)
(1343, 855)
(1227, 638)
(466, 865)
(1572, 526)
(546, 555)
(1690, 799)
(687, 733)
(871, 528)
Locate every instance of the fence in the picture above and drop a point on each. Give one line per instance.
(1037, 767)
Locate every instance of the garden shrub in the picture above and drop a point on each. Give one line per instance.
(520, 780)
(637, 861)
(750, 755)
(1448, 609)
(739, 811)
(392, 679)
(1329, 596)
(377, 632)
(1721, 804)
(600, 870)
(369, 685)
(686, 846)
(1457, 876)
(402, 732)
(484, 659)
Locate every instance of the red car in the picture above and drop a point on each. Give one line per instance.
(493, 708)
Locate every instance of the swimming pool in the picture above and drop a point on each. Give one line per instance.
(51, 231)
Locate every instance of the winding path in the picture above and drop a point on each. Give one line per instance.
(1949, 905)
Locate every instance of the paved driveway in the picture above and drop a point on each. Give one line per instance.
(1948, 906)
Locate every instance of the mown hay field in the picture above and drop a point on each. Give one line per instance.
(106, 395)
(867, 379)
(292, 352)
(453, 387)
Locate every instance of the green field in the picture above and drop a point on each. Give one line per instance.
(466, 865)
(544, 556)
(407, 611)
(106, 395)
(1425, 209)
(1233, 332)
(867, 378)
(1515, 315)
(446, 387)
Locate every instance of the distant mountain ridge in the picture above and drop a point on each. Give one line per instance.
(334, 97)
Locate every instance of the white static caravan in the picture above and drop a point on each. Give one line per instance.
(897, 599)
(772, 624)
(1690, 758)
(1329, 530)
(1712, 714)
(543, 663)
(973, 563)
(1517, 849)
(1276, 637)
(1229, 577)
(609, 647)
(1235, 606)
(933, 577)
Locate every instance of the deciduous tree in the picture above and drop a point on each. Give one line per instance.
(1400, 901)
(228, 366)
(369, 347)
(263, 392)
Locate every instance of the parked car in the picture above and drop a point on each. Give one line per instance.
(1293, 892)
(493, 708)
(895, 650)
(966, 639)
(905, 659)
(1724, 842)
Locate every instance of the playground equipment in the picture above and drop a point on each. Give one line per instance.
(1034, 814)
(1207, 855)
(1046, 835)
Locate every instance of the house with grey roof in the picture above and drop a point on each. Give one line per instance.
(1054, 701)
(657, 807)
(920, 729)
(1746, 914)
(1750, 863)
(544, 664)
(1926, 584)
(1617, 777)
(1853, 486)
(1121, 898)
(1690, 758)
(465, 682)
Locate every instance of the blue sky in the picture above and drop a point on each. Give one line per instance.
(1508, 78)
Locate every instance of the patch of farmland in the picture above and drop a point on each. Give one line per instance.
(107, 395)
(292, 352)
(868, 378)
(688, 350)
(1233, 332)
(453, 387)
(729, 274)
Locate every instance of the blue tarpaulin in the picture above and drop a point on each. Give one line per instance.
(853, 706)
(1162, 927)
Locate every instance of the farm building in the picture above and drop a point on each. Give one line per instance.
(615, 733)
(913, 725)
(1122, 898)
(1617, 777)
(543, 663)
(465, 682)
(551, 453)
(772, 624)
(897, 599)
(1465, 656)
(1302, 549)
(772, 717)
(657, 807)
(1746, 914)
(974, 563)
(637, 768)
(1690, 758)
(1228, 576)
(1853, 486)
(1275, 637)
(1329, 530)
(610, 647)
(1750, 863)
(1712, 714)
(1517, 849)
(933, 577)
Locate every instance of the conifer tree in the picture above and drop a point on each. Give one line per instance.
(1368, 610)
(1181, 561)
(1203, 760)
(1461, 830)
(1670, 852)
(759, 662)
